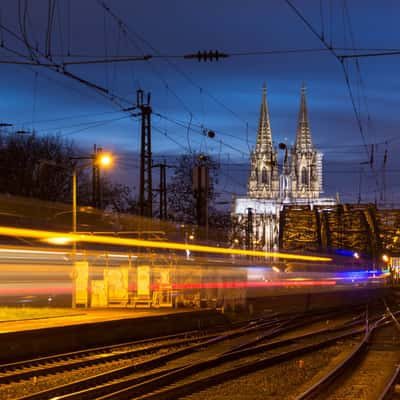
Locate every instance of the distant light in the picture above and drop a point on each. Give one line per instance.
(105, 160)
(276, 269)
(356, 255)
(385, 258)
(344, 252)
(60, 241)
(191, 237)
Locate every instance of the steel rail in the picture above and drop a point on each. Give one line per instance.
(389, 388)
(388, 391)
(156, 388)
(144, 365)
(112, 352)
(113, 388)
(95, 359)
(4, 368)
(318, 388)
(253, 326)
(71, 363)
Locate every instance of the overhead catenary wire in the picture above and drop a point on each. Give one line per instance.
(345, 72)
(179, 70)
(125, 30)
(200, 132)
(88, 59)
(98, 87)
(186, 123)
(58, 68)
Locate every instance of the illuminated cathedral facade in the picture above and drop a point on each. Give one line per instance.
(297, 181)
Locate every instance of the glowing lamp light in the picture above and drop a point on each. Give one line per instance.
(356, 255)
(385, 258)
(59, 240)
(105, 160)
(191, 237)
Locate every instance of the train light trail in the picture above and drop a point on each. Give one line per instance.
(60, 240)
(111, 240)
(242, 285)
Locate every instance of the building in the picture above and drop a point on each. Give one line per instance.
(299, 180)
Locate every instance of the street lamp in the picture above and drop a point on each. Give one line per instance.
(104, 160)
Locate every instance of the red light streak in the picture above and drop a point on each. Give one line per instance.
(58, 290)
(241, 285)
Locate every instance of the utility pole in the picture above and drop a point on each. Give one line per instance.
(162, 189)
(146, 191)
(200, 190)
(96, 185)
(249, 229)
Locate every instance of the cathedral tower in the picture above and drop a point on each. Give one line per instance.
(306, 161)
(264, 180)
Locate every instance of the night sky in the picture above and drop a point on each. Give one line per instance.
(188, 96)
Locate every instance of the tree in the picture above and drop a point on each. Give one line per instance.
(41, 167)
(181, 200)
(118, 197)
(24, 172)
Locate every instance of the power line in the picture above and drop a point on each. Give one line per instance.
(102, 59)
(332, 50)
(158, 54)
(76, 116)
(59, 68)
(199, 132)
(365, 55)
(95, 125)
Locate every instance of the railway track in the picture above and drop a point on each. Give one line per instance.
(180, 363)
(371, 371)
(180, 381)
(59, 362)
(392, 389)
(155, 350)
(13, 372)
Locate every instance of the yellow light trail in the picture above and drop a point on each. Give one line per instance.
(45, 235)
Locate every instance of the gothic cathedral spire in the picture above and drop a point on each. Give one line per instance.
(306, 160)
(303, 135)
(264, 180)
(264, 135)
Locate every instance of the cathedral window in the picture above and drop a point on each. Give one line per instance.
(264, 177)
(304, 176)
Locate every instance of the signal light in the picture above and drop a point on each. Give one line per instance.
(211, 134)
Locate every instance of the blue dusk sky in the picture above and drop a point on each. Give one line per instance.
(268, 43)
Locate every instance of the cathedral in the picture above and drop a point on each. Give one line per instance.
(297, 181)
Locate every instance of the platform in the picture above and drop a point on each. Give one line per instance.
(85, 316)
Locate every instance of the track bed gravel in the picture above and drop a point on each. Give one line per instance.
(278, 382)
